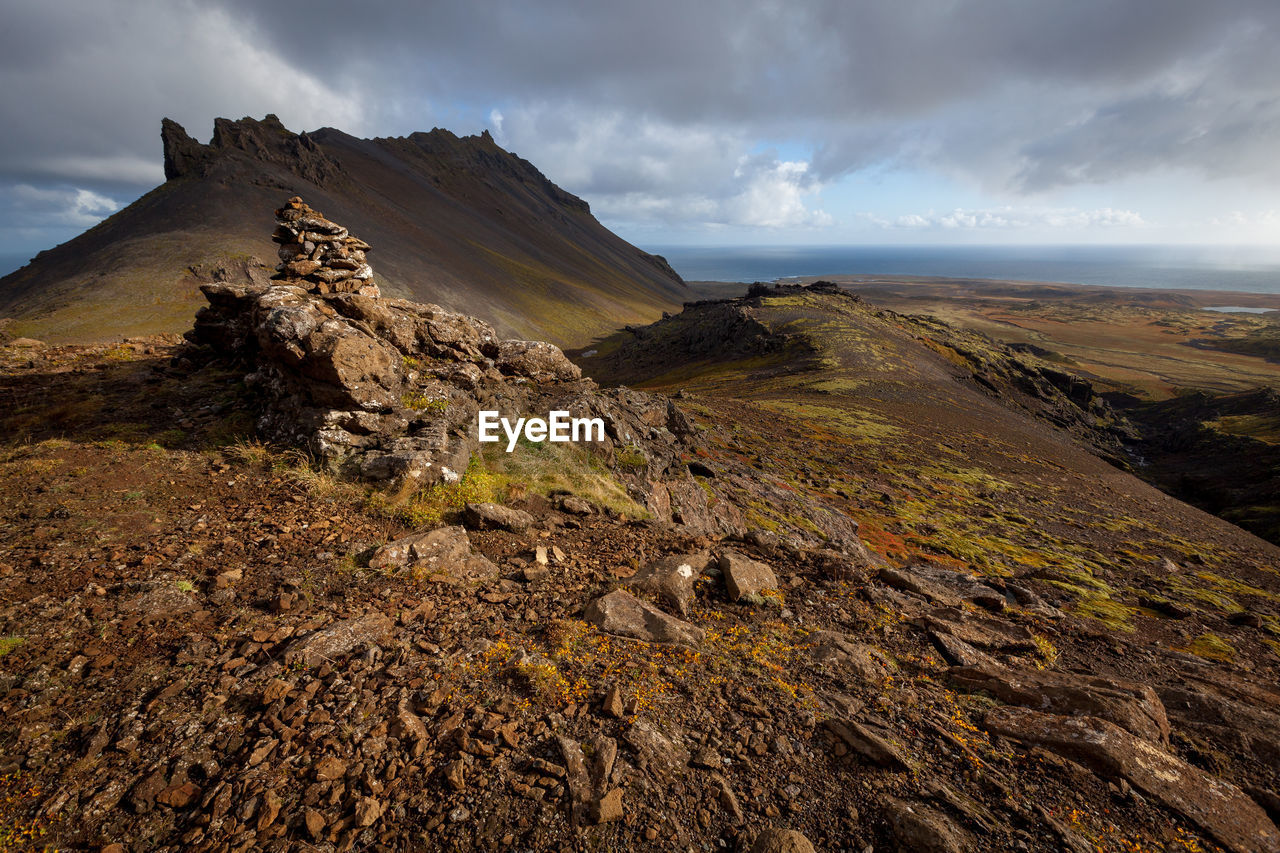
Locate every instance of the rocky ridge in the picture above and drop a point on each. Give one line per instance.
(718, 331)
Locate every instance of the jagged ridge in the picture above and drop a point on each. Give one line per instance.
(462, 222)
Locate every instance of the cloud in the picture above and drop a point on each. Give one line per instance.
(1010, 219)
(649, 109)
(40, 207)
(639, 170)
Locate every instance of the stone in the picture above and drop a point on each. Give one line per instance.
(613, 705)
(329, 768)
(907, 581)
(275, 689)
(921, 829)
(1133, 706)
(536, 360)
(945, 586)
(318, 254)
(871, 745)
(608, 808)
(574, 505)
(456, 775)
(332, 642)
(604, 753)
(707, 758)
(981, 631)
(144, 792)
(443, 554)
(745, 577)
(577, 780)
(839, 652)
(269, 810)
(1215, 805)
(490, 516)
(729, 801)
(959, 653)
(658, 751)
(672, 578)
(368, 810)
(178, 796)
(407, 725)
(782, 841)
(315, 823)
(624, 615)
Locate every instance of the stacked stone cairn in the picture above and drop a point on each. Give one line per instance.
(320, 255)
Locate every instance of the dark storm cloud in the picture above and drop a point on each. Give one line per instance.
(1015, 95)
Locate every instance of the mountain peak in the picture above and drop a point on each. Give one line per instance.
(460, 222)
(267, 141)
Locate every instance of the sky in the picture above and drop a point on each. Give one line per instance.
(721, 122)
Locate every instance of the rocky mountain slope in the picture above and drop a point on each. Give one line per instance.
(1220, 452)
(859, 583)
(459, 222)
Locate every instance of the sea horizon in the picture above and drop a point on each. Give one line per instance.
(1246, 269)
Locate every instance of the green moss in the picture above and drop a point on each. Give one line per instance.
(1111, 613)
(420, 402)
(8, 644)
(1212, 647)
(632, 457)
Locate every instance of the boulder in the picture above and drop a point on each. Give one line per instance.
(745, 577)
(870, 743)
(536, 360)
(489, 516)
(672, 578)
(921, 829)
(1215, 805)
(335, 640)
(982, 632)
(623, 614)
(443, 554)
(1131, 705)
(841, 653)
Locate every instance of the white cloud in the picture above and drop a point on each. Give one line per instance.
(639, 170)
(1010, 219)
(495, 120)
(75, 207)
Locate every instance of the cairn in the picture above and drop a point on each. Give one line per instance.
(320, 255)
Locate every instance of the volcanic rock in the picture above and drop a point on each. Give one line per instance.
(320, 253)
(489, 516)
(623, 614)
(744, 577)
(672, 578)
(781, 841)
(1219, 807)
(1132, 706)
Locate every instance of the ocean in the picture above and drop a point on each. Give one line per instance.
(10, 262)
(1247, 269)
